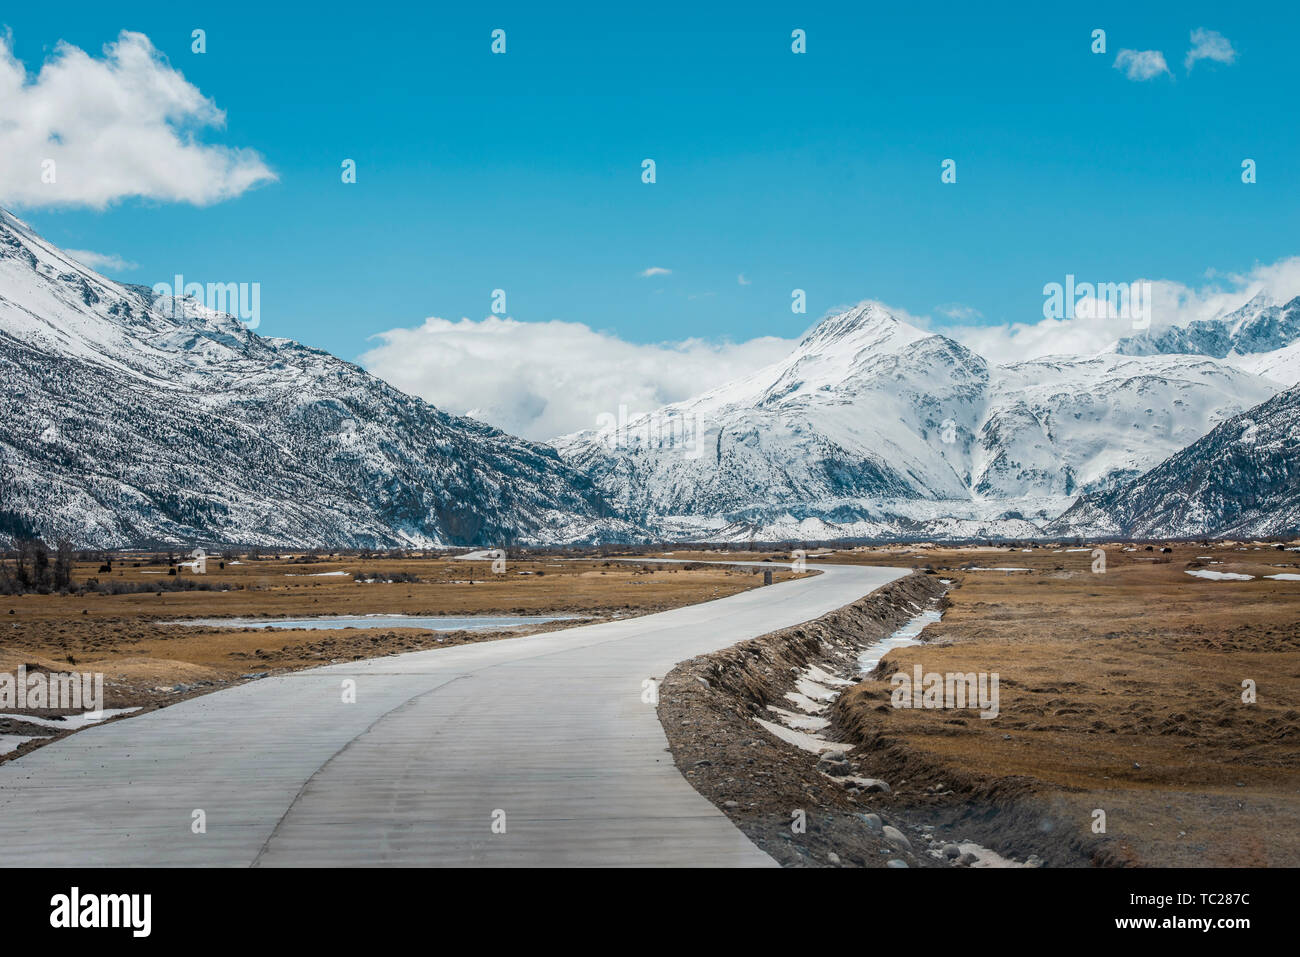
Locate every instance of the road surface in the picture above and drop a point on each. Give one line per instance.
(547, 735)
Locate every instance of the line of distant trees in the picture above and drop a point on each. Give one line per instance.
(31, 566)
(37, 568)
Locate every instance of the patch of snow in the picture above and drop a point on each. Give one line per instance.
(72, 722)
(805, 742)
(985, 857)
(799, 722)
(1219, 576)
(12, 742)
(804, 702)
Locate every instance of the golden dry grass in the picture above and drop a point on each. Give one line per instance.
(1121, 691)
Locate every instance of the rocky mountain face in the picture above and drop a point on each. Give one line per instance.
(134, 419)
(874, 428)
(1262, 337)
(1259, 326)
(1242, 480)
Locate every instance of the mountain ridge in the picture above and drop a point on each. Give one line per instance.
(135, 419)
(872, 428)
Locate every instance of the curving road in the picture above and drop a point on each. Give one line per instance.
(548, 731)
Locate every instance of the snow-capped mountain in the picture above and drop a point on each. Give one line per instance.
(132, 418)
(1262, 337)
(874, 428)
(126, 422)
(1241, 480)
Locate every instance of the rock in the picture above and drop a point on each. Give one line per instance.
(835, 770)
(871, 820)
(895, 863)
(874, 785)
(967, 859)
(1034, 861)
(730, 804)
(951, 851)
(896, 837)
(833, 858)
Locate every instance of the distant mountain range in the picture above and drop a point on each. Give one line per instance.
(135, 419)
(874, 429)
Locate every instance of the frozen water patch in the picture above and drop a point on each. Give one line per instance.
(904, 636)
(315, 575)
(1285, 577)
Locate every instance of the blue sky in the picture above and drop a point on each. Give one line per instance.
(819, 171)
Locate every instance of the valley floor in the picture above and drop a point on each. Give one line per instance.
(148, 662)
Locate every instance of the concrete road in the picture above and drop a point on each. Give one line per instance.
(547, 735)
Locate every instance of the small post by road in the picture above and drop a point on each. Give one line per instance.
(767, 576)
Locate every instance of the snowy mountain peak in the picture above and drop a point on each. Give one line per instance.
(867, 326)
(872, 427)
(1254, 306)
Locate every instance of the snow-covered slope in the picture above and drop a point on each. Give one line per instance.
(874, 428)
(125, 426)
(1243, 479)
(1262, 337)
(125, 423)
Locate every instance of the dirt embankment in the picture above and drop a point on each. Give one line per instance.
(803, 808)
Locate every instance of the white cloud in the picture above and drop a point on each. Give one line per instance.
(1209, 45)
(959, 311)
(655, 271)
(545, 379)
(122, 125)
(101, 262)
(1141, 64)
(743, 281)
(1173, 304)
